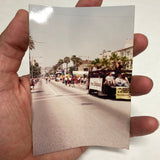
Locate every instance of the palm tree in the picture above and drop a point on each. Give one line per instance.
(96, 63)
(73, 58)
(60, 62)
(114, 58)
(35, 68)
(31, 43)
(93, 63)
(76, 61)
(125, 61)
(54, 68)
(66, 60)
(32, 46)
(105, 63)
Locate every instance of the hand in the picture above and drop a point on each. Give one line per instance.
(15, 108)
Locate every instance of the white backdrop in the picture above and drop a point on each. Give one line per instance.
(147, 21)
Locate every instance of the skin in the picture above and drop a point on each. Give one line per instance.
(15, 108)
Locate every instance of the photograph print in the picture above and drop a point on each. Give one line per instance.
(80, 73)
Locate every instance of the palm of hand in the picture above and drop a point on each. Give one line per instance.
(15, 101)
(15, 119)
(15, 115)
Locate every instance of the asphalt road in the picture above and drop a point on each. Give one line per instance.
(66, 117)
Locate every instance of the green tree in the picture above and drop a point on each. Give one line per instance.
(66, 60)
(93, 63)
(76, 61)
(73, 58)
(71, 69)
(59, 64)
(114, 58)
(54, 68)
(31, 43)
(35, 70)
(96, 62)
(124, 61)
(105, 63)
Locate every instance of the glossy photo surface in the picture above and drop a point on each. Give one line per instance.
(80, 66)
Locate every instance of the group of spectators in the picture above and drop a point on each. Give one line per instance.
(121, 80)
(72, 80)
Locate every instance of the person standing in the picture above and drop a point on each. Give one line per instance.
(32, 83)
(65, 80)
(72, 81)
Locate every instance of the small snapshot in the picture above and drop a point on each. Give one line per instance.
(80, 73)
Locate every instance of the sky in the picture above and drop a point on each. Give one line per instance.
(84, 32)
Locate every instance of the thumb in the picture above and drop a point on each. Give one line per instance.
(14, 42)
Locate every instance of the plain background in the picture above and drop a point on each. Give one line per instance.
(147, 21)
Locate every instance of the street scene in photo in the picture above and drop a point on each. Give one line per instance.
(80, 73)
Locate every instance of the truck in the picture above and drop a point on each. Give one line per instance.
(97, 86)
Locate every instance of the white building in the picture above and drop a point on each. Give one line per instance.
(126, 51)
(105, 54)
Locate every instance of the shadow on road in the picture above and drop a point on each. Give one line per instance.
(36, 92)
(86, 103)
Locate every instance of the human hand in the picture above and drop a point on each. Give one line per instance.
(15, 102)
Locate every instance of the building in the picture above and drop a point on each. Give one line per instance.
(127, 52)
(84, 66)
(105, 54)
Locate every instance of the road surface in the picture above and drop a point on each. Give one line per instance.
(66, 117)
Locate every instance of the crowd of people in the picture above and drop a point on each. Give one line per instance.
(68, 80)
(121, 80)
(110, 80)
(72, 80)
